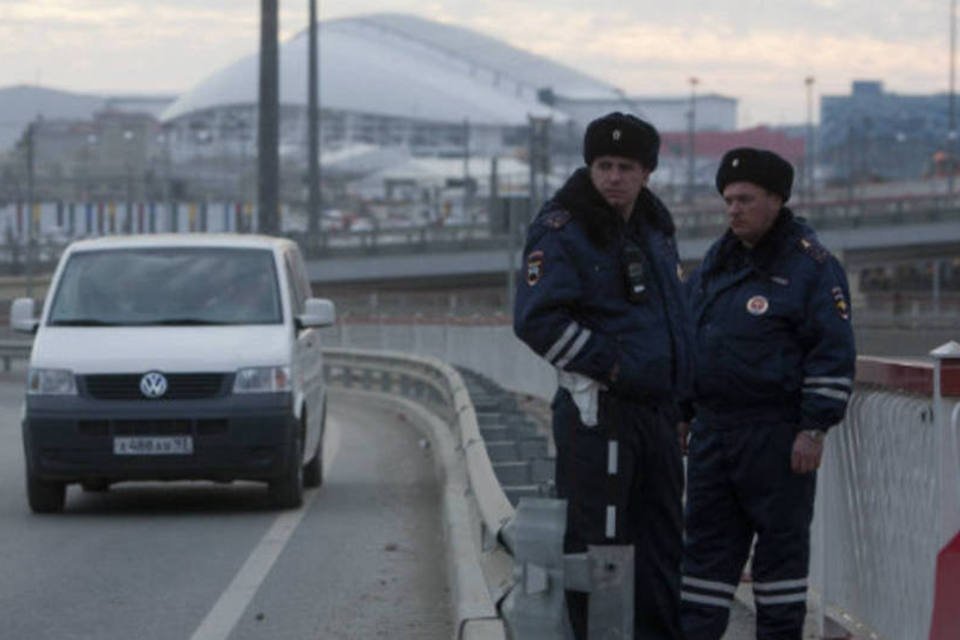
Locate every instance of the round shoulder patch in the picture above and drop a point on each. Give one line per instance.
(758, 305)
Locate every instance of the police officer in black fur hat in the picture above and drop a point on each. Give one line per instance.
(601, 300)
(774, 371)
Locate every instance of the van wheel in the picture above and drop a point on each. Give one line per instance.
(313, 472)
(45, 496)
(286, 491)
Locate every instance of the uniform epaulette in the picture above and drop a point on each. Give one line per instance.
(813, 248)
(555, 219)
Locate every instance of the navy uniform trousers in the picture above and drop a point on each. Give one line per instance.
(739, 482)
(646, 490)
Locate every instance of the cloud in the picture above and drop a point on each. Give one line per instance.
(764, 67)
(753, 49)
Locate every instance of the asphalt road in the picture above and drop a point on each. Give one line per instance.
(199, 561)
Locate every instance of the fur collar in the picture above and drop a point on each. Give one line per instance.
(602, 224)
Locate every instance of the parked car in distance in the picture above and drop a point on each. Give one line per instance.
(172, 357)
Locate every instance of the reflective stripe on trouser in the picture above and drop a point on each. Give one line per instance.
(739, 483)
(648, 500)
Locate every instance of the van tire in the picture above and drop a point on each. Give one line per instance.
(313, 472)
(45, 496)
(286, 491)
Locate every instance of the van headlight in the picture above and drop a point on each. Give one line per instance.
(262, 380)
(51, 382)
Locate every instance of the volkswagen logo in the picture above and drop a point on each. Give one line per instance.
(153, 384)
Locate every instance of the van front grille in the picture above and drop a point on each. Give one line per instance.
(180, 386)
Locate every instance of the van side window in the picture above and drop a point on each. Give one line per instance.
(295, 288)
(300, 268)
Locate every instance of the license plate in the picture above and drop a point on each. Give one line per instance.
(153, 446)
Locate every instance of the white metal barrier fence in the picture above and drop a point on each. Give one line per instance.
(889, 500)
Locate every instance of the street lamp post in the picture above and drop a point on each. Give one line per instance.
(268, 133)
(31, 196)
(691, 139)
(313, 117)
(952, 125)
(810, 161)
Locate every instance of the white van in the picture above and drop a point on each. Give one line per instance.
(168, 357)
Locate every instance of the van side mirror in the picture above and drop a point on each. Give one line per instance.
(23, 316)
(317, 312)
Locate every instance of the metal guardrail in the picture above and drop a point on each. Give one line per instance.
(14, 350)
(519, 551)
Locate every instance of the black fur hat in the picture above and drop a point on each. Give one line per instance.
(759, 166)
(620, 134)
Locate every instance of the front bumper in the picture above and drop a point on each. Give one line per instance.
(234, 437)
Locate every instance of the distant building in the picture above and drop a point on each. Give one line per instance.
(111, 156)
(393, 88)
(673, 174)
(433, 89)
(873, 135)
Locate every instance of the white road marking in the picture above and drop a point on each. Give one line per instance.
(226, 613)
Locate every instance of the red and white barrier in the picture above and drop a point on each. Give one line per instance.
(945, 620)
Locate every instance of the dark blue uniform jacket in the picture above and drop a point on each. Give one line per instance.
(773, 334)
(572, 307)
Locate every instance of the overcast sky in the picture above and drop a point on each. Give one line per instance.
(759, 51)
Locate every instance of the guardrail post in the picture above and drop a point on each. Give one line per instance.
(535, 608)
(609, 570)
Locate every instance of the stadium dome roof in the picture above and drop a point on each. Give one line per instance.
(404, 66)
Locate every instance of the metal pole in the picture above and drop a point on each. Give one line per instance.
(465, 205)
(545, 159)
(532, 159)
(936, 285)
(313, 115)
(810, 162)
(691, 139)
(31, 196)
(952, 132)
(167, 177)
(268, 179)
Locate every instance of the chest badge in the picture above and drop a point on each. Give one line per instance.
(534, 267)
(758, 305)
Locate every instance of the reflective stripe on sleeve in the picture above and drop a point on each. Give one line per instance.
(558, 346)
(575, 348)
(841, 382)
(829, 393)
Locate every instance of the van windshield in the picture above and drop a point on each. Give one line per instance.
(167, 286)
